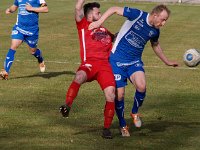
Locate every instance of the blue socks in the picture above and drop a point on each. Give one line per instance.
(138, 100)
(119, 108)
(38, 55)
(9, 60)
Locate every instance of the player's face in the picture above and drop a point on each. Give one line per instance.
(160, 19)
(96, 14)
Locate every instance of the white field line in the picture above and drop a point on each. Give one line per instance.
(159, 67)
(78, 63)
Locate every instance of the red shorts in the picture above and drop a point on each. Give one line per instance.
(100, 71)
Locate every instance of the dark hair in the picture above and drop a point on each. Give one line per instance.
(89, 6)
(159, 8)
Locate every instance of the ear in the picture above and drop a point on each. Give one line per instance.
(89, 17)
(155, 15)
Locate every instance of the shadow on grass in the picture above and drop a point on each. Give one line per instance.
(46, 75)
(147, 129)
(91, 130)
(162, 126)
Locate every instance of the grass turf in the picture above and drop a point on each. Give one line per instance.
(29, 100)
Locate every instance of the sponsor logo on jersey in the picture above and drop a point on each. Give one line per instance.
(135, 40)
(23, 11)
(140, 22)
(151, 33)
(101, 35)
(137, 27)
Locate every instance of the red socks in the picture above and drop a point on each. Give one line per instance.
(109, 112)
(72, 93)
(109, 109)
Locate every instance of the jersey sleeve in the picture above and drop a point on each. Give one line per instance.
(16, 3)
(82, 24)
(131, 13)
(42, 2)
(156, 37)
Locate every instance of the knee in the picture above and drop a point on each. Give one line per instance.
(80, 77)
(32, 50)
(110, 94)
(141, 88)
(120, 96)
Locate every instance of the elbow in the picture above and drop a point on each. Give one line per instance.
(113, 9)
(46, 10)
(78, 7)
(117, 10)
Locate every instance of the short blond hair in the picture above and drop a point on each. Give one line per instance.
(159, 8)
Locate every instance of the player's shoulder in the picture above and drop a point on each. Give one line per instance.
(83, 23)
(131, 10)
(132, 13)
(41, 1)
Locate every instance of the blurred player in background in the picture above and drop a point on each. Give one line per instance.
(95, 49)
(26, 30)
(126, 55)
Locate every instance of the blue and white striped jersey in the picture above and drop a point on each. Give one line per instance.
(133, 36)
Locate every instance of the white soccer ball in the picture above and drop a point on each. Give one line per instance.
(191, 57)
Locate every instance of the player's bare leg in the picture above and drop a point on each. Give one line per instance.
(138, 79)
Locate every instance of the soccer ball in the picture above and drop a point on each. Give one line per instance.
(191, 57)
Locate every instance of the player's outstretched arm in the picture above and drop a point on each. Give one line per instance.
(159, 52)
(79, 13)
(11, 9)
(42, 9)
(107, 14)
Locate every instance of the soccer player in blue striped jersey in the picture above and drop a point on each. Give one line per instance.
(126, 56)
(26, 30)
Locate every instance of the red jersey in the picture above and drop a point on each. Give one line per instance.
(94, 44)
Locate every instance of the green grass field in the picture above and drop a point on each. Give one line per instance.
(29, 100)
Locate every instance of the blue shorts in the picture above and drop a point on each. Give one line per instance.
(31, 38)
(123, 71)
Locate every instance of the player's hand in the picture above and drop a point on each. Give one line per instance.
(8, 11)
(29, 7)
(173, 63)
(94, 25)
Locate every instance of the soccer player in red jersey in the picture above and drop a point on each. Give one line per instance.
(95, 46)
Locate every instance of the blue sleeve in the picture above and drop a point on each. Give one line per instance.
(16, 3)
(41, 1)
(155, 38)
(131, 13)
